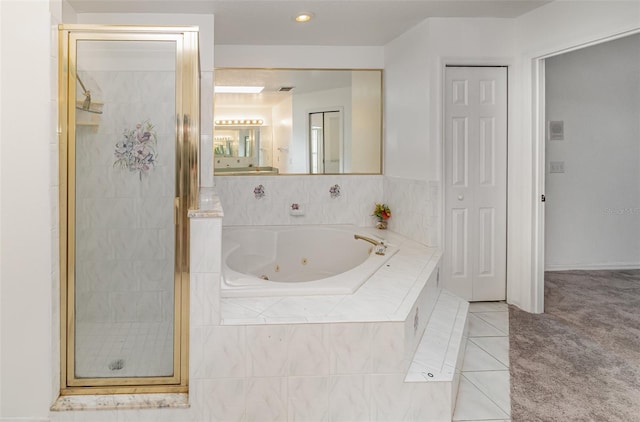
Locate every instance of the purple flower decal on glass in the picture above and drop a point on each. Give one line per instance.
(334, 191)
(137, 150)
(258, 192)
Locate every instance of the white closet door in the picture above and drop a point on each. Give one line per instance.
(476, 182)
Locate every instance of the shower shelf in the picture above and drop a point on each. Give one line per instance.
(84, 118)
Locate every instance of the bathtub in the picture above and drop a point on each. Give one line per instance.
(297, 260)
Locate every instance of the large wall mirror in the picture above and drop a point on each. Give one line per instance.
(297, 121)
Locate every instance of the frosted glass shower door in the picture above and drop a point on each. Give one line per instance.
(124, 158)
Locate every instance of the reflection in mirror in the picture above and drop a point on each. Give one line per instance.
(298, 121)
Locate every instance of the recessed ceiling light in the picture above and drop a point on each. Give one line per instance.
(222, 89)
(304, 17)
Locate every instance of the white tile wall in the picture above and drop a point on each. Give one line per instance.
(267, 350)
(415, 204)
(309, 350)
(308, 399)
(224, 399)
(358, 195)
(350, 397)
(415, 208)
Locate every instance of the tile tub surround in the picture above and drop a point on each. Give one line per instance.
(333, 357)
(389, 295)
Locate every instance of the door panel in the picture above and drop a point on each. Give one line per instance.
(460, 150)
(459, 242)
(475, 182)
(487, 149)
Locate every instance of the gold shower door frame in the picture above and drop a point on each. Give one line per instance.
(187, 120)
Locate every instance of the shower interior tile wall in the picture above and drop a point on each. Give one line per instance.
(124, 222)
(414, 203)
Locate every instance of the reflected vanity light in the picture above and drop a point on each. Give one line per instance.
(239, 122)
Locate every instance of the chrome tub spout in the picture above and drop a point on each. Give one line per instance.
(379, 246)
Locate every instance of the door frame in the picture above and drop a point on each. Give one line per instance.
(539, 162)
(308, 113)
(443, 63)
(187, 115)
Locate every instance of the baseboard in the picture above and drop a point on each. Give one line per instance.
(603, 266)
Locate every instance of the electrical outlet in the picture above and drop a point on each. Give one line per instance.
(556, 167)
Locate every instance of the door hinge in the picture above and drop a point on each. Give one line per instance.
(543, 198)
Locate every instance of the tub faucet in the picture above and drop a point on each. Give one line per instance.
(379, 246)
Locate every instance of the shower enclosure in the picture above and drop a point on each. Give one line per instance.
(129, 122)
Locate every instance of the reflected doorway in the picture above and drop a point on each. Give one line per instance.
(325, 142)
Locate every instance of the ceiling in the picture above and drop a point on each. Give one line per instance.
(343, 22)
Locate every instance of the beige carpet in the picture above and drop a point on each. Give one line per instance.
(580, 360)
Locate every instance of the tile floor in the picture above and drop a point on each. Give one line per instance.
(483, 394)
(139, 349)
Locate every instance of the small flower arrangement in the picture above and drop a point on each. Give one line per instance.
(382, 211)
(136, 152)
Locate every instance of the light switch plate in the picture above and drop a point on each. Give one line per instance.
(556, 167)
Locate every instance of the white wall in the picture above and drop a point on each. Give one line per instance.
(414, 65)
(28, 137)
(282, 134)
(204, 22)
(299, 56)
(592, 212)
(414, 68)
(29, 197)
(364, 155)
(1, 242)
(547, 30)
(406, 110)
